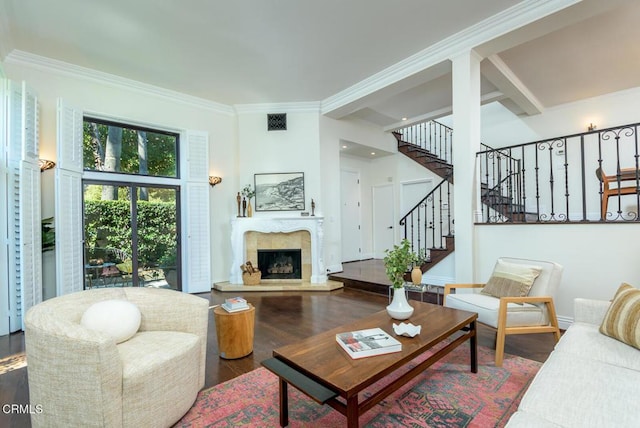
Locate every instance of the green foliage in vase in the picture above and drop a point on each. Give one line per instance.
(398, 261)
(248, 192)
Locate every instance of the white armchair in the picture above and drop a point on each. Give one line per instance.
(533, 313)
(81, 377)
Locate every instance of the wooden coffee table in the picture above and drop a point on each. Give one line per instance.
(321, 369)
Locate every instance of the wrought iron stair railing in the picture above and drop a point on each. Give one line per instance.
(557, 181)
(429, 144)
(428, 226)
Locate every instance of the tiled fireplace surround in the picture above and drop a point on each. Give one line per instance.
(250, 234)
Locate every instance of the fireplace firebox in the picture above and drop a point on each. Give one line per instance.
(280, 263)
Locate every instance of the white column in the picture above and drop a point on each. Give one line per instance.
(466, 142)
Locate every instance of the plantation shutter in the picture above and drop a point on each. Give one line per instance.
(197, 267)
(14, 154)
(23, 203)
(30, 221)
(68, 201)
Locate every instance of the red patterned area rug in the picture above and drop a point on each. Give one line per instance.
(445, 395)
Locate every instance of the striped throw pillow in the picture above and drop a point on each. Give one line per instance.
(511, 279)
(622, 320)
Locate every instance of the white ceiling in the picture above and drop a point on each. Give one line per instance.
(276, 51)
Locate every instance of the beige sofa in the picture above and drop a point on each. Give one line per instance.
(81, 378)
(589, 380)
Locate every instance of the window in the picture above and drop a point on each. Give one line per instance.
(131, 229)
(189, 179)
(115, 147)
(129, 241)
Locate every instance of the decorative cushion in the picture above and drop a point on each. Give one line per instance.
(622, 320)
(511, 279)
(119, 319)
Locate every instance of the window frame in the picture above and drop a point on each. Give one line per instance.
(137, 127)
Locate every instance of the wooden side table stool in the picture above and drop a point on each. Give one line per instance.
(235, 332)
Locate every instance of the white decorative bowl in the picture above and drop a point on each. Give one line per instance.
(407, 329)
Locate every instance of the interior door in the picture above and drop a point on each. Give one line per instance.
(350, 215)
(412, 193)
(383, 219)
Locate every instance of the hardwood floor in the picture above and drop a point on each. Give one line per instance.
(281, 318)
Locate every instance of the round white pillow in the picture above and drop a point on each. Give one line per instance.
(119, 319)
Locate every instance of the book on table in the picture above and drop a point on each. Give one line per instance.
(367, 343)
(235, 304)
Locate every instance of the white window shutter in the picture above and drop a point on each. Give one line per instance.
(69, 144)
(68, 201)
(14, 249)
(30, 136)
(23, 201)
(14, 122)
(4, 212)
(30, 237)
(197, 267)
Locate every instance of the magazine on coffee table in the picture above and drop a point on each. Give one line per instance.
(367, 343)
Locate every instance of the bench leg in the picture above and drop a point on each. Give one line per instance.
(284, 404)
(473, 345)
(352, 412)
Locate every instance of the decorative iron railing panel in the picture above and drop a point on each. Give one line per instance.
(592, 176)
(430, 220)
(432, 136)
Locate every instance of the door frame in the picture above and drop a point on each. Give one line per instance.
(379, 253)
(359, 216)
(134, 229)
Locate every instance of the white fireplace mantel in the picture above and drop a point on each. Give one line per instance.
(241, 225)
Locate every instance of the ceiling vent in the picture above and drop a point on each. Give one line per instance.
(277, 122)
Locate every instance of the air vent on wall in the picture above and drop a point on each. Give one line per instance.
(277, 122)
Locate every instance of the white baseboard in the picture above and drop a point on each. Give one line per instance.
(564, 322)
(334, 268)
(437, 279)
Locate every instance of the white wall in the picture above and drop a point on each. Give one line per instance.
(130, 102)
(294, 150)
(332, 132)
(596, 257)
(502, 128)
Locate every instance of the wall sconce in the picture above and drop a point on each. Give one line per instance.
(214, 180)
(591, 127)
(45, 164)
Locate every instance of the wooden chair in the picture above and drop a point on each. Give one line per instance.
(534, 313)
(626, 174)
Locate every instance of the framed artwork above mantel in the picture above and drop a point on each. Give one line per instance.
(283, 191)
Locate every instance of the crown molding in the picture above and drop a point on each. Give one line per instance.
(27, 59)
(293, 107)
(444, 111)
(497, 25)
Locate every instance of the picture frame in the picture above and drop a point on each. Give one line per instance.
(283, 191)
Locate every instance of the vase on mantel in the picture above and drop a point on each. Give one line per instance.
(399, 309)
(249, 209)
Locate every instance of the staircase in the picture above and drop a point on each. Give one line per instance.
(503, 198)
(429, 225)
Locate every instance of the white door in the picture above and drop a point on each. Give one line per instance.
(383, 220)
(412, 193)
(350, 215)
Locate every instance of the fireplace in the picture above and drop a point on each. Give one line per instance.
(280, 264)
(248, 235)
